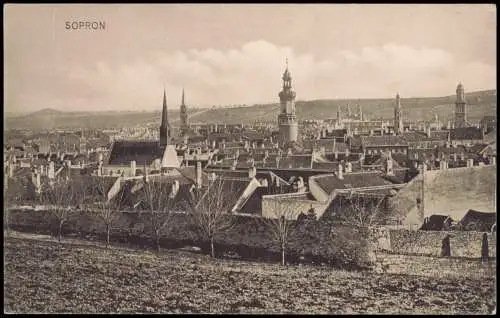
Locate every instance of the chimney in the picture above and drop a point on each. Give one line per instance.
(175, 189)
(198, 174)
(300, 185)
(493, 160)
(38, 183)
(264, 183)
(252, 172)
(340, 175)
(132, 168)
(389, 171)
(348, 167)
(470, 163)
(51, 171)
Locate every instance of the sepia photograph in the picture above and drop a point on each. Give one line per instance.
(250, 159)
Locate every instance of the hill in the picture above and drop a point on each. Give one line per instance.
(481, 103)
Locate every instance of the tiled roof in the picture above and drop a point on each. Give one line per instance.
(439, 135)
(296, 161)
(333, 166)
(414, 136)
(491, 136)
(190, 173)
(477, 148)
(351, 181)
(385, 140)
(133, 192)
(143, 152)
(466, 133)
(337, 133)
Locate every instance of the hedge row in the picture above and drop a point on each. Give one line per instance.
(249, 238)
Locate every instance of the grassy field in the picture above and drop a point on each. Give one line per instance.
(45, 276)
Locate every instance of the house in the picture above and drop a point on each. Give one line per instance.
(437, 223)
(326, 192)
(130, 157)
(381, 144)
(488, 123)
(477, 221)
(466, 136)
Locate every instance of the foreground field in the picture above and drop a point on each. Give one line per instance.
(43, 276)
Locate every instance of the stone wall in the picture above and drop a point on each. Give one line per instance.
(462, 243)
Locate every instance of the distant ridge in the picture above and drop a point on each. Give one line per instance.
(481, 103)
(48, 111)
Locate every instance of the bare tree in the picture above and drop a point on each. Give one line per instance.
(361, 210)
(107, 209)
(211, 208)
(158, 198)
(60, 198)
(281, 224)
(365, 213)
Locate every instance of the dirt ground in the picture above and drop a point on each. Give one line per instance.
(49, 277)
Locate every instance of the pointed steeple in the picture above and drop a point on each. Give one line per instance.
(164, 127)
(183, 115)
(164, 118)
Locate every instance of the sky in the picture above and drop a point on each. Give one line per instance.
(234, 54)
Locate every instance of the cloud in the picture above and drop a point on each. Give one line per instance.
(252, 74)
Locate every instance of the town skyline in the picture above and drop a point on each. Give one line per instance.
(75, 70)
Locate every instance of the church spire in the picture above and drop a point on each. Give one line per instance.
(183, 115)
(164, 127)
